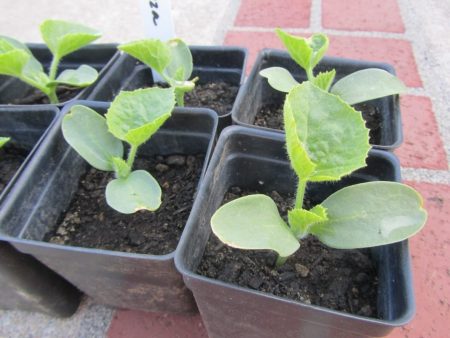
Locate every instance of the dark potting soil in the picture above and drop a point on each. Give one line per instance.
(11, 157)
(35, 96)
(90, 222)
(343, 280)
(218, 96)
(271, 116)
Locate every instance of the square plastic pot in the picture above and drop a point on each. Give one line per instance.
(211, 64)
(256, 92)
(25, 283)
(119, 279)
(98, 56)
(256, 159)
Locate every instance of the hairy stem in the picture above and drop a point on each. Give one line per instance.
(52, 95)
(131, 156)
(310, 74)
(300, 194)
(280, 260)
(53, 68)
(179, 97)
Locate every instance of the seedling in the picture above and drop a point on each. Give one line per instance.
(62, 38)
(360, 86)
(3, 141)
(133, 117)
(326, 139)
(171, 59)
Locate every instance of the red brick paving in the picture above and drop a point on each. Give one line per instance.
(397, 52)
(267, 13)
(138, 324)
(430, 251)
(422, 146)
(362, 15)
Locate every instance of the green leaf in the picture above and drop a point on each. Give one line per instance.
(136, 192)
(152, 52)
(180, 66)
(301, 220)
(367, 84)
(83, 76)
(135, 116)
(325, 137)
(253, 222)
(121, 167)
(3, 141)
(63, 37)
(323, 80)
(87, 133)
(13, 62)
(306, 52)
(371, 214)
(279, 79)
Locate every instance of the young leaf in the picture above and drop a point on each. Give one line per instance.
(181, 65)
(135, 116)
(370, 214)
(253, 222)
(121, 167)
(323, 80)
(152, 52)
(83, 76)
(325, 137)
(306, 52)
(138, 191)
(301, 220)
(63, 37)
(87, 133)
(3, 141)
(367, 84)
(279, 78)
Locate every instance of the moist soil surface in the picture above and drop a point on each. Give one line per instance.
(90, 222)
(35, 96)
(218, 96)
(11, 157)
(271, 116)
(343, 280)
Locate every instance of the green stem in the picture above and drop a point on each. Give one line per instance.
(52, 96)
(53, 68)
(280, 260)
(300, 194)
(179, 97)
(131, 156)
(310, 74)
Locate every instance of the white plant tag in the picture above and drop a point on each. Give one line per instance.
(158, 23)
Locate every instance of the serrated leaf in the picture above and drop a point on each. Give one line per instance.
(83, 76)
(367, 84)
(86, 131)
(63, 37)
(306, 52)
(371, 214)
(325, 137)
(152, 52)
(138, 191)
(253, 222)
(180, 66)
(3, 141)
(135, 116)
(301, 220)
(279, 78)
(121, 167)
(324, 80)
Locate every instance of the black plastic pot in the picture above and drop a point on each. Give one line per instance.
(124, 280)
(256, 159)
(211, 64)
(25, 283)
(256, 92)
(99, 56)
